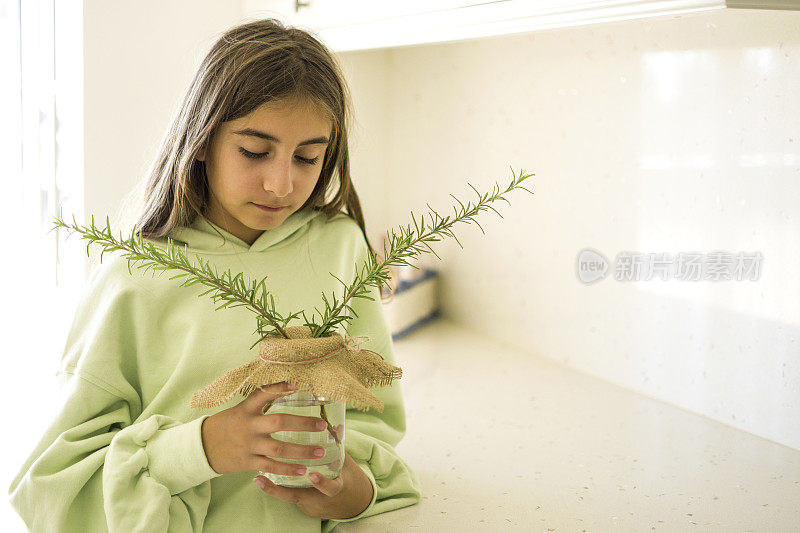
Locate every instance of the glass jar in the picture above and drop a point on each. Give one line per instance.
(330, 439)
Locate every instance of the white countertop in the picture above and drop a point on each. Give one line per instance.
(507, 441)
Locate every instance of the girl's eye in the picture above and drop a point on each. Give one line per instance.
(308, 161)
(250, 154)
(253, 155)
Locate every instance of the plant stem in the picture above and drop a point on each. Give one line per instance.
(324, 415)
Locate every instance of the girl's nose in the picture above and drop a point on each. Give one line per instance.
(278, 178)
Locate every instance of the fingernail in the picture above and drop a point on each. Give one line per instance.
(259, 482)
(321, 424)
(319, 452)
(313, 477)
(291, 386)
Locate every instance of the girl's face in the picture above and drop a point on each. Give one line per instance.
(271, 157)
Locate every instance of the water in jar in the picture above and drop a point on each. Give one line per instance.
(330, 464)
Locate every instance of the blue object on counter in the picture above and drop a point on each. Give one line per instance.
(424, 320)
(425, 308)
(404, 285)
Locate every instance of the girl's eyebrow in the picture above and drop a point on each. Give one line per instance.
(260, 134)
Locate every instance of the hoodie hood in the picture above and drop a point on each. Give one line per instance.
(201, 234)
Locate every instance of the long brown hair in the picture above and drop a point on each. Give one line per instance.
(251, 64)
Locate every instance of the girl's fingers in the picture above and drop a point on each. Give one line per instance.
(282, 493)
(328, 487)
(266, 393)
(270, 423)
(273, 466)
(287, 450)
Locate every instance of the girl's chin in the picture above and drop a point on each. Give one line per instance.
(266, 220)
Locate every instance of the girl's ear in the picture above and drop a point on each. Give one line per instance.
(201, 155)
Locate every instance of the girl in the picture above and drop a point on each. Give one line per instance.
(242, 179)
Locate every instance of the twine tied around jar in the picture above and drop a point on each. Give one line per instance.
(333, 367)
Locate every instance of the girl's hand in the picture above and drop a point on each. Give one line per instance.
(237, 439)
(344, 497)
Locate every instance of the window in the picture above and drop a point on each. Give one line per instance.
(41, 171)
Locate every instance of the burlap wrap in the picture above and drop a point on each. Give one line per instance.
(334, 367)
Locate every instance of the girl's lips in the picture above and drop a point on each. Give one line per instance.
(267, 208)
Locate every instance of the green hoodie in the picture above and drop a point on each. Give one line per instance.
(125, 453)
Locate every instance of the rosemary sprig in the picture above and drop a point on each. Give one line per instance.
(406, 244)
(236, 291)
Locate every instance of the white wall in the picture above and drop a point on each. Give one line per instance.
(139, 59)
(666, 135)
(370, 135)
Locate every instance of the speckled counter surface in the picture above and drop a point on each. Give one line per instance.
(506, 441)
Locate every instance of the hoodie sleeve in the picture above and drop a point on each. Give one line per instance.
(96, 471)
(100, 466)
(370, 437)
